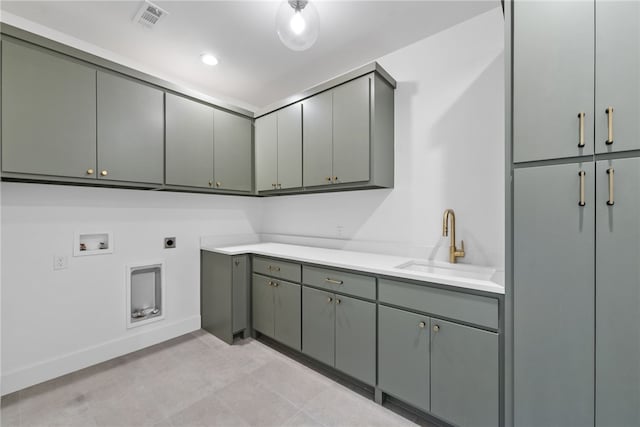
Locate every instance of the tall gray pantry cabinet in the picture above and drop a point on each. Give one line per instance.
(576, 213)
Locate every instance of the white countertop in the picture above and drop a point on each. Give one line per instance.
(366, 262)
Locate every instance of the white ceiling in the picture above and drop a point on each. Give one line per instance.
(255, 68)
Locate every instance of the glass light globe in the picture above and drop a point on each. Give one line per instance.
(297, 24)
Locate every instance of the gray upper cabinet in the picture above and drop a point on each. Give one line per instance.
(278, 149)
(356, 338)
(290, 147)
(403, 356)
(266, 146)
(618, 293)
(617, 71)
(351, 134)
(553, 79)
(189, 143)
(317, 164)
(130, 130)
(233, 151)
(554, 296)
(48, 113)
(465, 376)
(348, 135)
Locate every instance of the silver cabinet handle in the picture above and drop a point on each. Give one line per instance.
(333, 281)
(338, 301)
(609, 112)
(422, 325)
(329, 299)
(270, 283)
(436, 328)
(90, 171)
(610, 202)
(104, 172)
(581, 202)
(275, 284)
(581, 130)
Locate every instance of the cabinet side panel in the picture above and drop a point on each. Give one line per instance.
(383, 134)
(215, 295)
(240, 292)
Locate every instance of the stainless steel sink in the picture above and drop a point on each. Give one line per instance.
(449, 270)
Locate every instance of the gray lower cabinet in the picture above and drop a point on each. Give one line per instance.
(318, 325)
(553, 75)
(224, 291)
(340, 332)
(554, 295)
(189, 143)
(617, 71)
(465, 378)
(618, 293)
(356, 338)
(48, 113)
(403, 356)
(276, 309)
(232, 151)
(130, 130)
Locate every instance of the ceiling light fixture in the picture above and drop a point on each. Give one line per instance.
(297, 24)
(209, 59)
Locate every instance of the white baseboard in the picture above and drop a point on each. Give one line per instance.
(53, 368)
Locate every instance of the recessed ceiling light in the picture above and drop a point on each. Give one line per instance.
(208, 59)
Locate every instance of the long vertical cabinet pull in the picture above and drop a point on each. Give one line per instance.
(581, 130)
(609, 112)
(610, 202)
(581, 202)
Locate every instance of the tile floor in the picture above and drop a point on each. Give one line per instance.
(197, 380)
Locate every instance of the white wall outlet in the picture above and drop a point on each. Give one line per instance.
(59, 262)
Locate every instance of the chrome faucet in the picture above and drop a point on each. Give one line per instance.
(454, 253)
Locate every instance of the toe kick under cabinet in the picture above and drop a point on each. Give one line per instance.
(433, 348)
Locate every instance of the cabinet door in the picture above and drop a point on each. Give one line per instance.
(552, 78)
(465, 375)
(48, 113)
(318, 325)
(290, 146)
(130, 130)
(351, 131)
(189, 142)
(287, 314)
(403, 355)
(232, 158)
(216, 294)
(618, 294)
(356, 338)
(262, 302)
(553, 296)
(267, 152)
(617, 71)
(317, 163)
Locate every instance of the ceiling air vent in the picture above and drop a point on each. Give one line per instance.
(149, 14)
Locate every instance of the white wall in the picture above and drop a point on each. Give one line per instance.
(54, 322)
(449, 141)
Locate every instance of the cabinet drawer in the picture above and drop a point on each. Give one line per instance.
(338, 281)
(275, 268)
(468, 308)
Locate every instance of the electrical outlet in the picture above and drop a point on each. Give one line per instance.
(59, 262)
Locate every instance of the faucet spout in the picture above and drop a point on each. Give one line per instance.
(454, 253)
